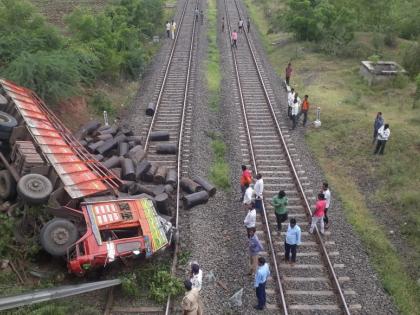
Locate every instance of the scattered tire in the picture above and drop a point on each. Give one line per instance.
(7, 185)
(7, 122)
(34, 188)
(57, 236)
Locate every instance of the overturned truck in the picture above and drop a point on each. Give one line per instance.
(42, 163)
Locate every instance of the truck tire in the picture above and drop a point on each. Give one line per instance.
(34, 188)
(7, 185)
(7, 122)
(57, 236)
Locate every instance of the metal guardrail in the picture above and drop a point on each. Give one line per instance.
(324, 252)
(54, 293)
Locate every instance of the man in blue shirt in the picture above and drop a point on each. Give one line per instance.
(292, 240)
(261, 276)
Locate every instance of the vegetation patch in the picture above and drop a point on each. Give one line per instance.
(378, 192)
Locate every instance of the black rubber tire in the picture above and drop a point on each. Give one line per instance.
(7, 122)
(57, 236)
(5, 135)
(7, 185)
(34, 188)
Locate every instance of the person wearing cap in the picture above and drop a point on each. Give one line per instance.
(191, 303)
(196, 276)
(261, 276)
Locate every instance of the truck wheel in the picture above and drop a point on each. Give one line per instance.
(34, 188)
(7, 122)
(7, 185)
(57, 236)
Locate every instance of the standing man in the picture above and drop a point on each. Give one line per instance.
(383, 135)
(248, 24)
(327, 195)
(250, 219)
(259, 189)
(279, 203)
(246, 178)
(318, 215)
(248, 196)
(261, 277)
(191, 303)
(289, 71)
(223, 24)
(196, 13)
(304, 110)
(255, 248)
(290, 99)
(202, 17)
(234, 38)
(240, 25)
(173, 29)
(292, 241)
(378, 123)
(168, 28)
(295, 111)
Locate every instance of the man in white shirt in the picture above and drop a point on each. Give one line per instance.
(168, 29)
(196, 276)
(383, 135)
(251, 218)
(259, 189)
(295, 111)
(248, 196)
(290, 99)
(327, 196)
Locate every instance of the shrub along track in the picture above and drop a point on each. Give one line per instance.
(173, 114)
(314, 283)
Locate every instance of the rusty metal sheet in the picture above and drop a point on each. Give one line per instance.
(79, 180)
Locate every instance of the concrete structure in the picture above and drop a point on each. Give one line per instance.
(381, 71)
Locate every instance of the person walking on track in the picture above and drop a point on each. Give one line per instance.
(223, 24)
(279, 203)
(261, 277)
(246, 178)
(289, 71)
(191, 303)
(318, 215)
(255, 248)
(173, 29)
(378, 123)
(304, 110)
(383, 135)
(295, 112)
(292, 241)
(259, 189)
(248, 24)
(251, 218)
(241, 25)
(290, 99)
(234, 38)
(202, 17)
(196, 13)
(327, 194)
(168, 29)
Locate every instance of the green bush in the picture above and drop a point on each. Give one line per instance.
(100, 103)
(53, 75)
(164, 284)
(411, 60)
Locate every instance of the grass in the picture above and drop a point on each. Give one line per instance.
(343, 148)
(219, 169)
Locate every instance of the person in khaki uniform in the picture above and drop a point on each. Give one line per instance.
(191, 303)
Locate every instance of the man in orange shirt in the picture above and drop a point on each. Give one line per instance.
(304, 110)
(246, 178)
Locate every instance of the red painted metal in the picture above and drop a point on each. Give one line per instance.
(80, 173)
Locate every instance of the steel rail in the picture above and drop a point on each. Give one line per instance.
(238, 81)
(179, 157)
(296, 177)
(165, 76)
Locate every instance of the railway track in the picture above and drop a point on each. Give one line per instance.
(173, 113)
(315, 285)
